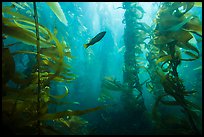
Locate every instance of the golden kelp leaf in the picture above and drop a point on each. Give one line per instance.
(188, 46)
(42, 30)
(69, 113)
(61, 78)
(55, 7)
(198, 4)
(65, 122)
(30, 52)
(191, 54)
(60, 96)
(178, 26)
(17, 5)
(7, 8)
(168, 21)
(181, 36)
(191, 48)
(164, 59)
(160, 40)
(23, 35)
(16, 15)
(194, 25)
(50, 51)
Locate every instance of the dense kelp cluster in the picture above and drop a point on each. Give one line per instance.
(29, 100)
(170, 43)
(26, 96)
(175, 27)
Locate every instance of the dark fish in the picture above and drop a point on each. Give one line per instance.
(97, 38)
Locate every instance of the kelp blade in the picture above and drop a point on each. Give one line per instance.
(55, 7)
(69, 113)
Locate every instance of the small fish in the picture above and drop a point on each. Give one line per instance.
(97, 38)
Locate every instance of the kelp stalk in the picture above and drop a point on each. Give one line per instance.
(38, 64)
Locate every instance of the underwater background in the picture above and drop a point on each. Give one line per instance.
(143, 77)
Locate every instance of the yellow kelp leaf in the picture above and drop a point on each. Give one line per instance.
(59, 47)
(198, 4)
(188, 47)
(63, 79)
(164, 59)
(16, 14)
(179, 25)
(63, 121)
(30, 52)
(69, 113)
(17, 5)
(194, 25)
(55, 7)
(55, 65)
(43, 30)
(181, 36)
(7, 8)
(26, 26)
(60, 96)
(50, 51)
(162, 39)
(168, 21)
(23, 35)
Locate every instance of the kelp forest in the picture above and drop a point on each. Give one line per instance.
(142, 75)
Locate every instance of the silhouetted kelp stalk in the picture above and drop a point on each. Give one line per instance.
(172, 34)
(134, 35)
(38, 64)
